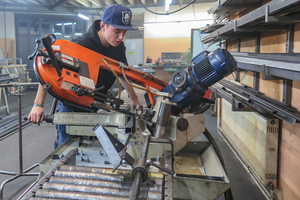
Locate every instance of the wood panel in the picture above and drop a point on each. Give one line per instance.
(248, 45)
(295, 95)
(153, 47)
(232, 46)
(10, 47)
(246, 78)
(273, 42)
(289, 164)
(297, 38)
(271, 88)
(255, 137)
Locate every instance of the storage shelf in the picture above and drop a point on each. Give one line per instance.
(225, 8)
(274, 15)
(283, 65)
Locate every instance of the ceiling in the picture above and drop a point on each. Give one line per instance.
(87, 6)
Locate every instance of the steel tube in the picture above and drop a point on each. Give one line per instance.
(74, 195)
(101, 183)
(89, 175)
(140, 172)
(98, 190)
(163, 119)
(20, 135)
(136, 186)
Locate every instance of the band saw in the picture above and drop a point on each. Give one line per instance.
(121, 154)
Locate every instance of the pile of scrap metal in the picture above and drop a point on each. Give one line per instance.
(118, 154)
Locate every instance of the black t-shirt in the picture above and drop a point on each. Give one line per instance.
(92, 41)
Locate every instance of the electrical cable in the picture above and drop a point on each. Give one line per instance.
(169, 13)
(152, 96)
(114, 73)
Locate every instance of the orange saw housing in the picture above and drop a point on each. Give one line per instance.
(80, 68)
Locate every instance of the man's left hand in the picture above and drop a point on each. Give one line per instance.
(135, 104)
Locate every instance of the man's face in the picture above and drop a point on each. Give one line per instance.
(113, 35)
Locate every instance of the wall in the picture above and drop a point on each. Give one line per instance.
(9, 29)
(289, 153)
(172, 33)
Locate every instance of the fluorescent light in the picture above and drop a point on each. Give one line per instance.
(83, 16)
(167, 5)
(68, 23)
(78, 34)
(58, 24)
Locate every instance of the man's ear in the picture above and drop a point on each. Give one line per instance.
(102, 25)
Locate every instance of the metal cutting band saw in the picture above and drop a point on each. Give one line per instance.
(119, 154)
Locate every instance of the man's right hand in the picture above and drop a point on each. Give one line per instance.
(36, 115)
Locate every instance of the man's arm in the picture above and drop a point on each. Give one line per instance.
(133, 97)
(36, 114)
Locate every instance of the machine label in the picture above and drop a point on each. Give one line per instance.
(55, 47)
(67, 59)
(87, 82)
(153, 90)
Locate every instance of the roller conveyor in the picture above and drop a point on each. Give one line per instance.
(65, 181)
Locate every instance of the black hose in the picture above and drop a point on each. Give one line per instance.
(228, 194)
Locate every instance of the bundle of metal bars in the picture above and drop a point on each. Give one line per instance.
(79, 182)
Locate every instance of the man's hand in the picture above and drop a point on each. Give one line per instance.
(36, 115)
(136, 103)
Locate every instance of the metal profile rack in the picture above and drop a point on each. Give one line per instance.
(244, 98)
(272, 66)
(223, 8)
(274, 15)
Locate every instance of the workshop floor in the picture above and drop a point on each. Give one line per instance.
(38, 142)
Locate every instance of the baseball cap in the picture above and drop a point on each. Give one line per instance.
(119, 17)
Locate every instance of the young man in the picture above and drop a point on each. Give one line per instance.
(104, 37)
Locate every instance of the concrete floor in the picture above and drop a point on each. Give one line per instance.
(38, 142)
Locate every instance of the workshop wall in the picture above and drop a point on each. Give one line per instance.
(172, 33)
(289, 153)
(9, 29)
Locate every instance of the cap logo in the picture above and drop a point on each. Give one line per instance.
(126, 17)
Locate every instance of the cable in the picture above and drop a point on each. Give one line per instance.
(114, 73)
(169, 13)
(152, 96)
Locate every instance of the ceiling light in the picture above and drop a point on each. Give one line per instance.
(83, 16)
(167, 5)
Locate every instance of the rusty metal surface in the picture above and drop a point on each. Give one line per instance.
(79, 182)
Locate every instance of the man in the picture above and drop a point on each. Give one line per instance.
(104, 37)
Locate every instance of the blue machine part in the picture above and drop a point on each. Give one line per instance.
(189, 85)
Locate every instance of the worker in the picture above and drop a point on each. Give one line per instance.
(186, 57)
(105, 37)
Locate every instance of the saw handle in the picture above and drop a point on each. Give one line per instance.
(47, 42)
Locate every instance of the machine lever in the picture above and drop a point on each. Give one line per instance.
(150, 162)
(47, 42)
(37, 51)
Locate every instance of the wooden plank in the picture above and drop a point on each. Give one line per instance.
(273, 42)
(297, 38)
(255, 138)
(233, 46)
(289, 171)
(271, 88)
(248, 45)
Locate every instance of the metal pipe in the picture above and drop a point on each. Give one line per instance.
(136, 186)
(98, 190)
(89, 175)
(5, 36)
(101, 183)
(20, 134)
(139, 172)
(74, 195)
(163, 118)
